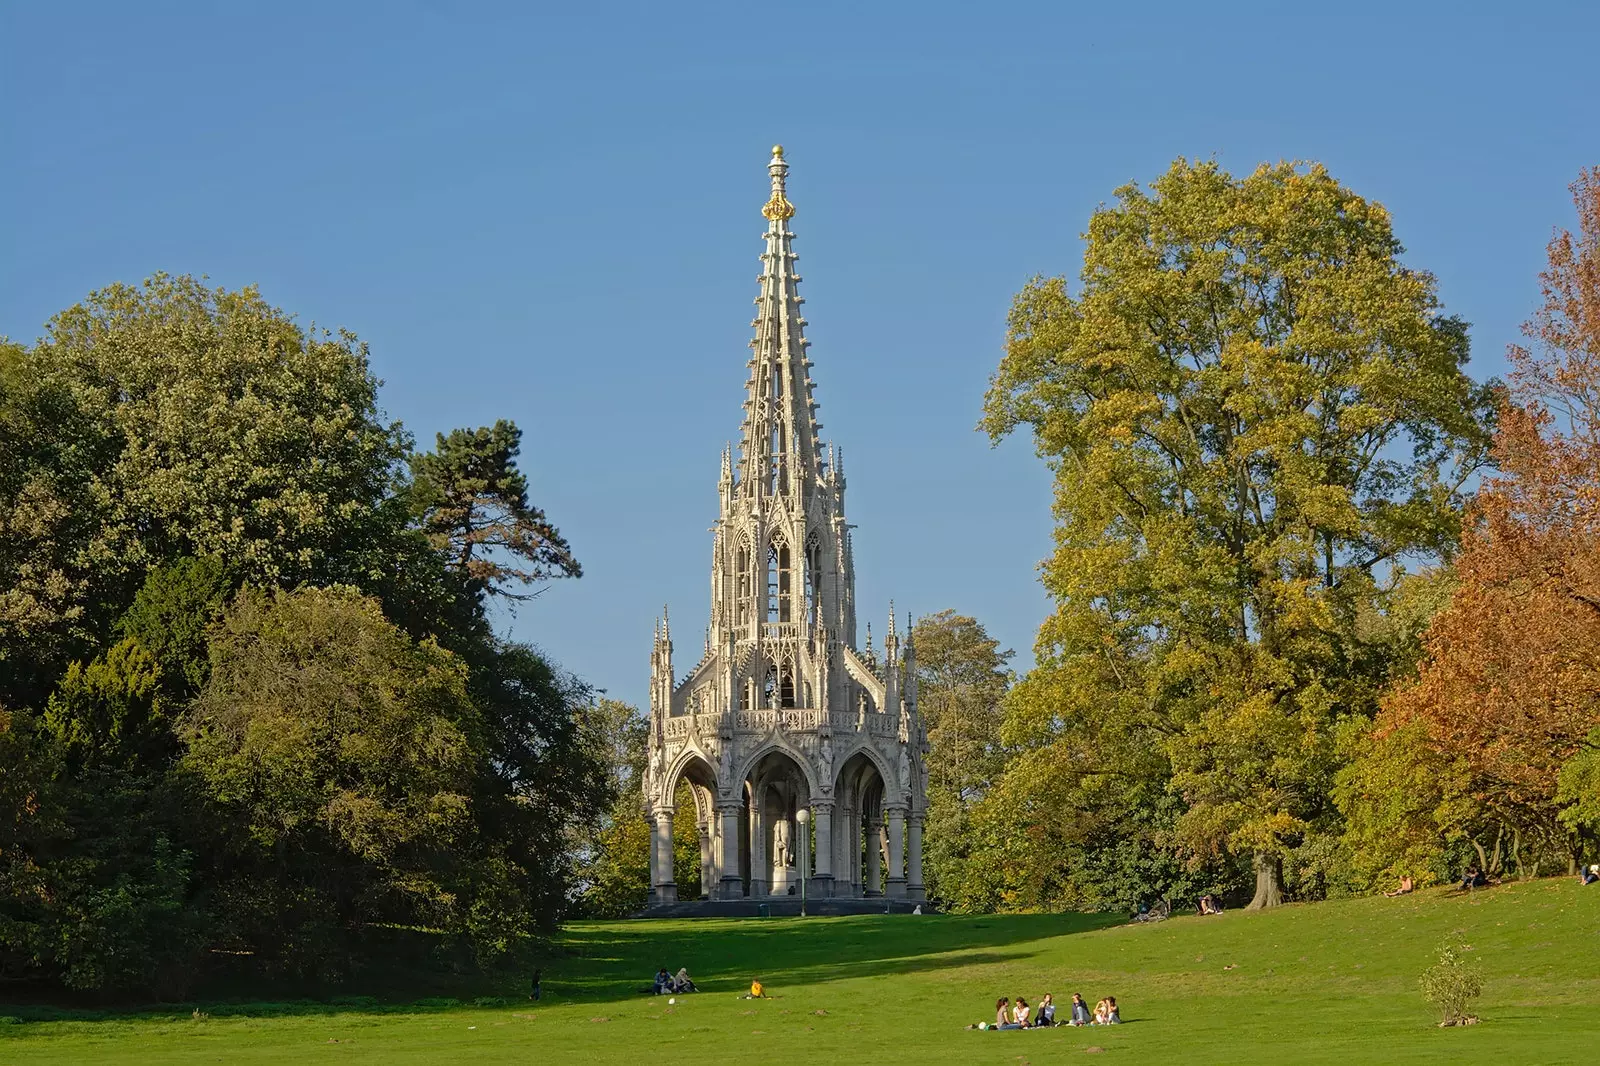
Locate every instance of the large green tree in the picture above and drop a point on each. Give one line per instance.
(172, 419)
(1254, 412)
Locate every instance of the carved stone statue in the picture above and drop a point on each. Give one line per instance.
(781, 852)
(825, 761)
(725, 764)
(905, 769)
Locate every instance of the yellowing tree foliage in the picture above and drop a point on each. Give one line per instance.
(1253, 411)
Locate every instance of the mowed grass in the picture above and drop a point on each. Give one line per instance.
(1331, 982)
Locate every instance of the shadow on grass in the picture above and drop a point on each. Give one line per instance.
(615, 959)
(607, 961)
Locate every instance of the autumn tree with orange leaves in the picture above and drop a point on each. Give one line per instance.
(1496, 744)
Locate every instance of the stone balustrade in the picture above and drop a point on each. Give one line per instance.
(791, 720)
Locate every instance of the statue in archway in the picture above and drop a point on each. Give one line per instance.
(781, 852)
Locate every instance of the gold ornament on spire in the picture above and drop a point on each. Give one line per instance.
(778, 208)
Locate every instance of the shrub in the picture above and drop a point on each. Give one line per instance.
(1452, 983)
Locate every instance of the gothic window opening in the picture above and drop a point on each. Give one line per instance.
(780, 457)
(742, 567)
(813, 577)
(779, 578)
(769, 691)
(786, 685)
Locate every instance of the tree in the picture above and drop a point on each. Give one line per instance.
(167, 420)
(343, 756)
(614, 859)
(1509, 692)
(961, 679)
(373, 757)
(473, 505)
(1253, 410)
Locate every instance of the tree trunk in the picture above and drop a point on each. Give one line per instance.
(1269, 882)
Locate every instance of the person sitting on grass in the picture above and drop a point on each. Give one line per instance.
(1209, 904)
(1102, 1012)
(1046, 1014)
(756, 991)
(1589, 876)
(663, 982)
(1406, 885)
(1020, 1012)
(1113, 1016)
(1473, 878)
(1080, 1011)
(681, 982)
(1002, 1014)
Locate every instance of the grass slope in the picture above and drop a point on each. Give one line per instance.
(1331, 982)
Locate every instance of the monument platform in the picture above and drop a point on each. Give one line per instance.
(782, 907)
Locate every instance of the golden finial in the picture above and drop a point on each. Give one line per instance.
(778, 208)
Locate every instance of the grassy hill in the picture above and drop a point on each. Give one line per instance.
(1331, 982)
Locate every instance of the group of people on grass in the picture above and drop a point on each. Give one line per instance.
(673, 984)
(1476, 878)
(1018, 1015)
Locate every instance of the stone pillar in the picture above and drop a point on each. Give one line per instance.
(666, 887)
(760, 864)
(874, 856)
(843, 869)
(708, 859)
(895, 883)
(649, 817)
(730, 885)
(821, 886)
(914, 886)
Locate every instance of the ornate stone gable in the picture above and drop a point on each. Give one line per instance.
(802, 755)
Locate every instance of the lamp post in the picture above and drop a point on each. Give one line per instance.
(803, 816)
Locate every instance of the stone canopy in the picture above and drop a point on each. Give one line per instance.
(805, 757)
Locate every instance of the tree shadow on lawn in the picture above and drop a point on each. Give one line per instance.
(616, 960)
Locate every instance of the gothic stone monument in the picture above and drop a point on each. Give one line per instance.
(782, 714)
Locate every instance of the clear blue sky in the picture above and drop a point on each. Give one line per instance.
(550, 213)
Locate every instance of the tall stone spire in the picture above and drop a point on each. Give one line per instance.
(782, 713)
(778, 454)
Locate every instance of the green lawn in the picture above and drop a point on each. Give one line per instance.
(1332, 982)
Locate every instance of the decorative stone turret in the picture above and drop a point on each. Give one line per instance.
(782, 713)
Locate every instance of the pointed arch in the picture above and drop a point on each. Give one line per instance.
(870, 754)
(693, 764)
(776, 743)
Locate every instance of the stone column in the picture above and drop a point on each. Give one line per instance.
(760, 864)
(708, 859)
(730, 885)
(666, 887)
(821, 886)
(914, 886)
(874, 856)
(649, 817)
(843, 872)
(895, 883)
